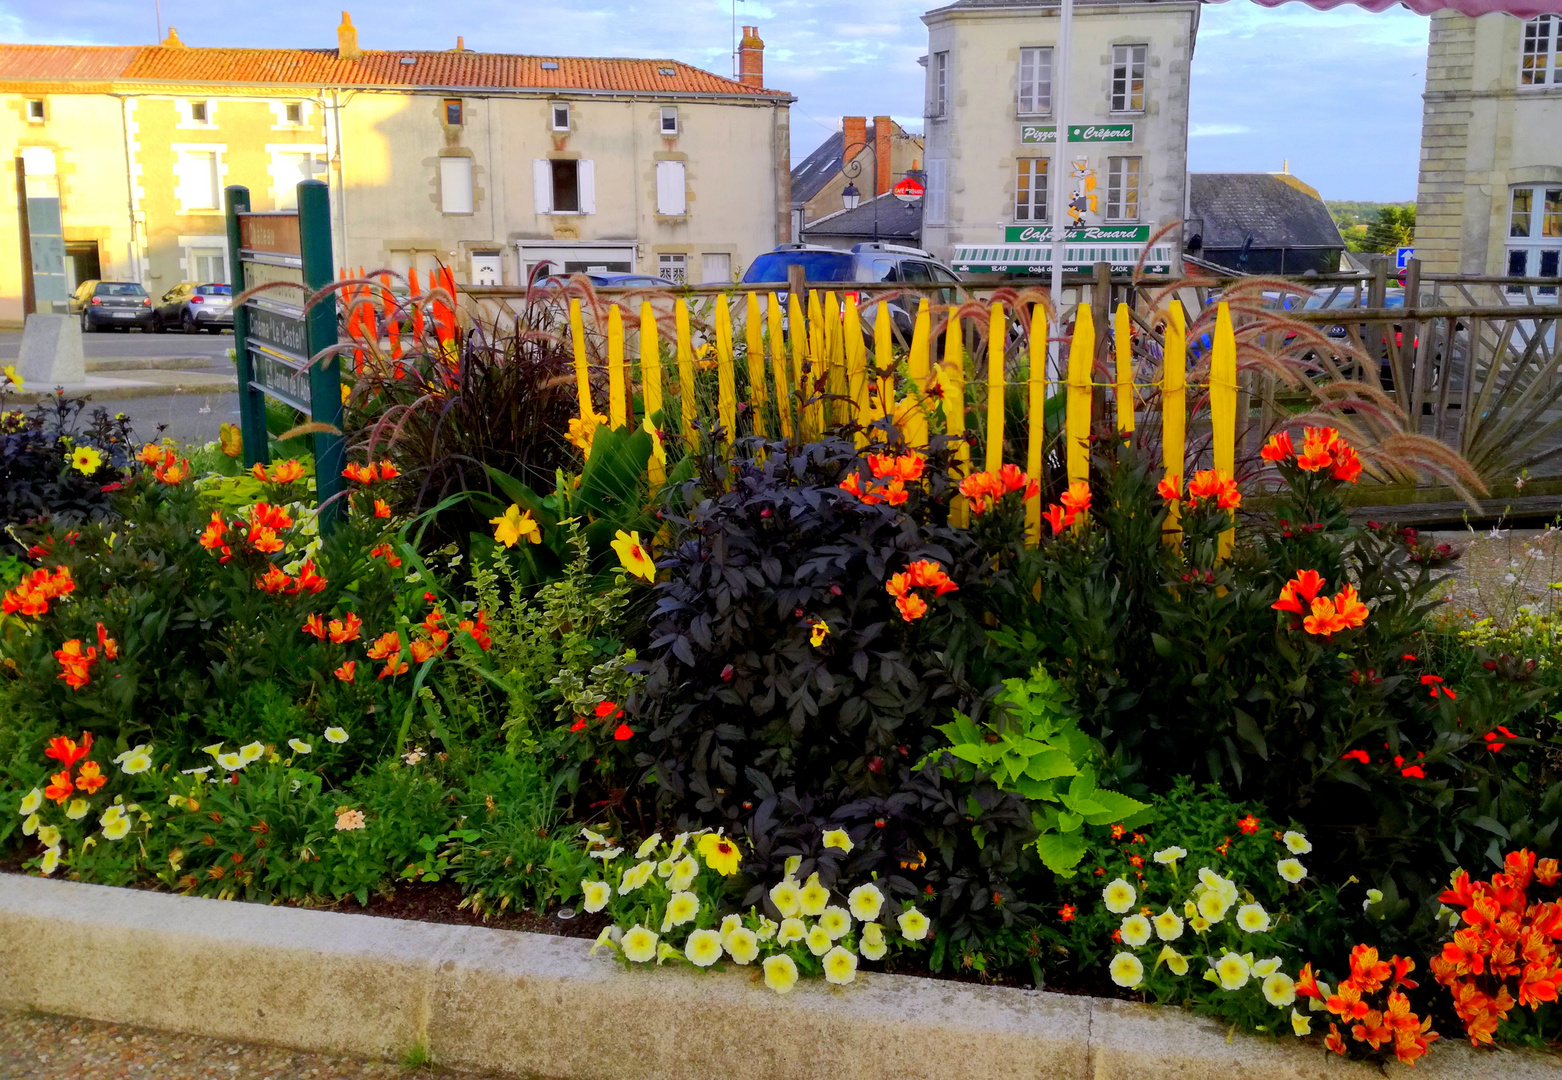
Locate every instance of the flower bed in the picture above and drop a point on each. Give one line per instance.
(807, 708)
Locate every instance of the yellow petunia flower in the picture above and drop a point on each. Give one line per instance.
(684, 871)
(780, 973)
(703, 948)
(1292, 870)
(818, 940)
(515, 525)
(742, 945)
(913, 924)
(633, 556)
(1253, 919)
(1127, 970)
(1175, 962)
(836, 921)
(49, 836)
(1168, 927)
(51, 859)
(840, 966)
(116, 830)
(1118, 896)
(791, 930)
(837, 838)
(1279, 990)
(1135, 931)
(1232, 971)
(1296, 843)
(873, 946)
(1301, 1025)
(77, 809)
(639, 944)
(31, 802)
(787, 898)
(865, 902)
(681, 908)
(598, 893)
(648, 845)
(814, 897)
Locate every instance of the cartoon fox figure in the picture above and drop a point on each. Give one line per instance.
(1082, 199)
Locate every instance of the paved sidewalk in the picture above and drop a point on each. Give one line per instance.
(39, 1047)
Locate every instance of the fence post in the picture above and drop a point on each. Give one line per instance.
(818, 365)
(884, 363)
(1081, 361)
(835, 362)
(752, 334)
(651, 384)
(1223, 405)
(726, 378)
(577, 333)
(685, 368)
(951, 380)
(1122, 339)
(617, 414)
(1035, 413)
(778, 364)
(856, 368)
(1174, 415)
(918, 364)
(997, 328)
(798, 341)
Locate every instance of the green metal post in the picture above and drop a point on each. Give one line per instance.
(325, 378)
(252, 402)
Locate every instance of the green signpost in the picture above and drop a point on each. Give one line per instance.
(274, 337)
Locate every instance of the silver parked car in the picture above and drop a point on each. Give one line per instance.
(192, 307)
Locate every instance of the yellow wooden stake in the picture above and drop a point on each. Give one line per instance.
(818, 366)
(651, 385)
(951, 380)
(685, 367)
(726, 375)
(884, 362)
(856, 368)
(1122, 338)
(1174, 410)
(1081, 359)
(577, 334)
(616, 412)
(835, 350)
(1036, 411)
(914, 425)
(997, 330)
(798, 333)
(778, 364)
(1223, 404)
(753, 334)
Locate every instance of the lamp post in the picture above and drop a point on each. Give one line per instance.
(908, 191)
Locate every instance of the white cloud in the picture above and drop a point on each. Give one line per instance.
(1200, 131)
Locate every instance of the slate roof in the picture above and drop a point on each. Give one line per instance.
(815, 170)
(897, 221)
(324, 67)
(1226, 208)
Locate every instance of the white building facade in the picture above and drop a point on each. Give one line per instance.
(992, 145)
(1489, 198)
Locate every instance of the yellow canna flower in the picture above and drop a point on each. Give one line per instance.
(9, 371)
(780, 973)
(583, 430)
(633, 556)
(515, 525)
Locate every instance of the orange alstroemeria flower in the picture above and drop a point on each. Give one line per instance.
(315, 625)
(912, 607)
(1307, 983)
(358, 474)
(1170, 489)
(1278, 448)
(1217, 486)
(59, 788)
(381, 508)
(75, 663)
(478, 629)
(264, 540)
(928, 574)
(387, 643)
(1347, 466)
(394, 665)
(1057, 517)
(68, 751)
(1346, 1002)
(387, 470)
(90, 778)
(211, 537)
(1298, 593)
(309, 580)
(345, 629)
(1077, 497)
(386, 552)
(1318, 446)
(273, 581)
(1350, 610)
(1323, 621)
(267, 516)
(898, 584)
(346, 671)
(896, 494)
(109, 646)
(287, 472)
(1366, 970)
(150, 455)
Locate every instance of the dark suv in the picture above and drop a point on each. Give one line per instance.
(112, 303)
(863, 263)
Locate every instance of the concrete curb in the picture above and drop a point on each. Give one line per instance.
(539, 1006)
(136, 383)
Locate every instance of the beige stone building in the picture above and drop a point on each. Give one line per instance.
(491, 164)
(1489, 200)
(992, 143)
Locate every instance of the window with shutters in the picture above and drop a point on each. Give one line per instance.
(1128, 64)
(1035, 82)
(1540, 63)
(564, 186)
(672, 198)
(938, 84)
(198, 184)
(1030, 190)
(289, 167)
(455, 185)
(673, 268)
(1122, 189)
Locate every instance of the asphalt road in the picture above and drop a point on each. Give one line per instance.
(192, 418)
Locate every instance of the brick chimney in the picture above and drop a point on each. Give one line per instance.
(854, 134)
(347, 39)
(883, 155)
(751, 58)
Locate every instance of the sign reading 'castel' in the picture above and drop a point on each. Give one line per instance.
(1086, 234)
(1038, 134)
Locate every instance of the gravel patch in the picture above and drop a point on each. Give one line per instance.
(1501, 571)
(34, 1046)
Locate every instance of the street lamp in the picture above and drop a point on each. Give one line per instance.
(851, 198)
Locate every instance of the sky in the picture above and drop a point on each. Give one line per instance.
(1337, 94)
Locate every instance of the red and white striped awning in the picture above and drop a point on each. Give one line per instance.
(1524, 9)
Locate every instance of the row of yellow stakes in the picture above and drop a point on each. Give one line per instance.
(831, 338)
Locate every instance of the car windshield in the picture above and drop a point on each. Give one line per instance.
(120, 288)
(215, 290)
(817, 266)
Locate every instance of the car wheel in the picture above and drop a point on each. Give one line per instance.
(158, 326)
(189, 324)
(86, 324)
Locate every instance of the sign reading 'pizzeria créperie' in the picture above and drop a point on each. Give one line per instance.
(1040, 134)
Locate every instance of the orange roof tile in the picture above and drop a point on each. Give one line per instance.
(324, 67)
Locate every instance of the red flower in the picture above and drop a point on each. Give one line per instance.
(1170, 489)
(1066, 912)
(59, 788)
(91, 777)
(607, 710)
(346, 671)
(1414, 772)
(1249, 825)
(623, 732)
(1278, 448)
(68, 751)
(1298, 593)
(315, 625)
(1356, 755)
(579, 724)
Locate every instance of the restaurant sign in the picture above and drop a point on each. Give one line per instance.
(1079, 234)
(1039, 134)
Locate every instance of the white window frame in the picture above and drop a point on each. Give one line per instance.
(553, 115)
(938, 84)
(1534, 243)
(673, 267)
(585, 186)
(181, 152)
(189, 245)
(935, 200)
(278, 152)
(457, 185)
(1540, 53)
(670, 112)
(711, 276)
(1124, 188)
(40, 115)
(1130, 64)
(1033, 79)
(186, 112)
(672, 191)
(279, 120)
(444, 109)
(1030, 203)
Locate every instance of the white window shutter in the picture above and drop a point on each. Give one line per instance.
(455, 184)
(934, 198)
(671, 198)
(542, 185)
(586, 177)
